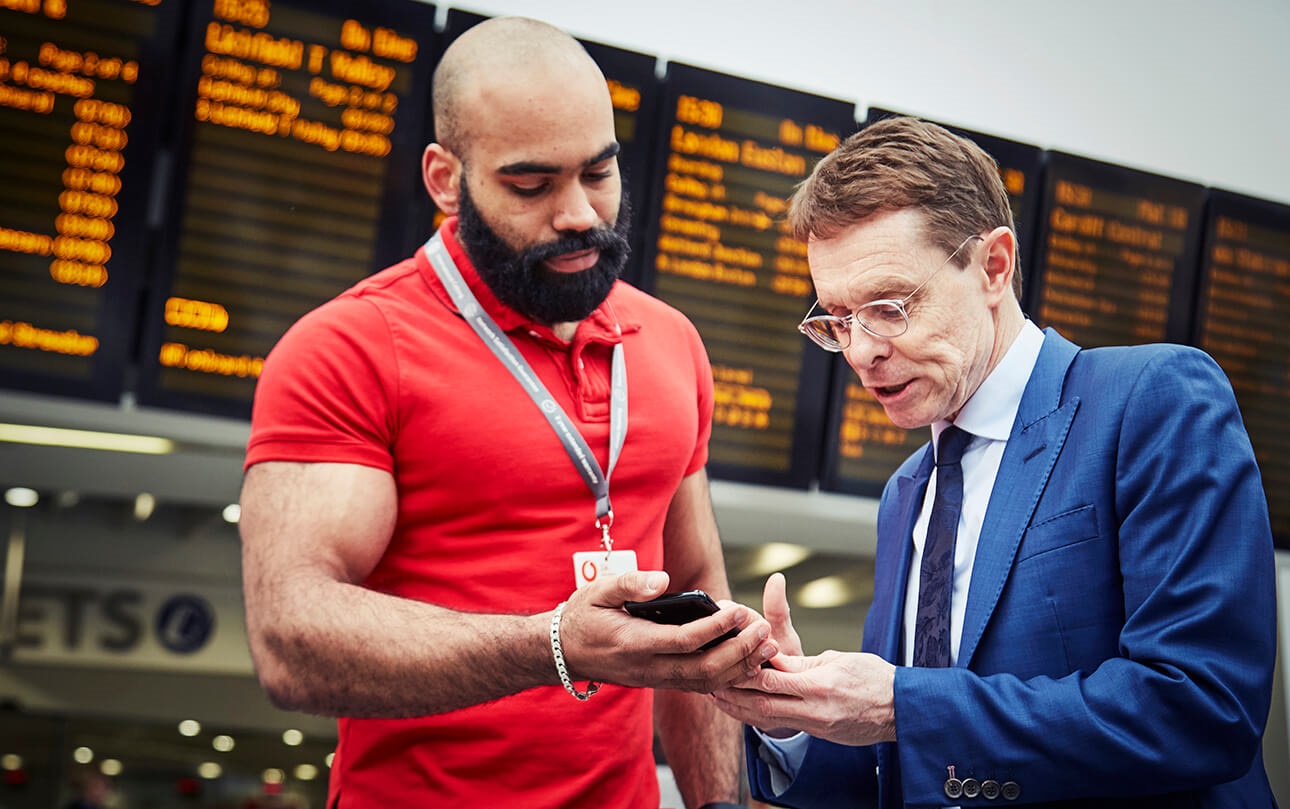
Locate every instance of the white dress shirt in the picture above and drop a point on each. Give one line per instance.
(988, 416)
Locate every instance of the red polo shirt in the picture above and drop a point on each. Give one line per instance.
(491, 510)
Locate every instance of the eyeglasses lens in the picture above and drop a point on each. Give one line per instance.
(883, 319)
(827, 331)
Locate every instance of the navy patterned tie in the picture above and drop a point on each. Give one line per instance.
(936, 580)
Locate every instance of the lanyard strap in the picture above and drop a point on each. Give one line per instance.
(502, 347)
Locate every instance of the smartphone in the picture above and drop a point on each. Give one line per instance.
(677, 609)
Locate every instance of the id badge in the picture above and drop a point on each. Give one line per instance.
(591, 565)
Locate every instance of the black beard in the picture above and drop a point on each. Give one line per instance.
(519, 278)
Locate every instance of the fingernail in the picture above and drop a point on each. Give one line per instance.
(653, 582)
(762, 632)
(767, 652)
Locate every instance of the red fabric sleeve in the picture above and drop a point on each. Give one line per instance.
(704, 386)
(327, 390)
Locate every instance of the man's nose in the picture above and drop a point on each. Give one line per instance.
(575, 211)
(865, 349)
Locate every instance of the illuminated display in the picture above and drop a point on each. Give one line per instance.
(78, 82)
(301, 149)
(1116, 256)
(718, 248)
(1241, 322)
(633, 90)
(865, 448)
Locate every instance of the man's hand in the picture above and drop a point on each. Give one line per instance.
(843, 697)
(602, 642)
(774, 604)
(846, 698)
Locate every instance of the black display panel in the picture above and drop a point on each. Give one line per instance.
(730, 152)
(1241, 318)
(299, 149)
(81, 87)
(1117, 252)
(634, 92)
(864, 447)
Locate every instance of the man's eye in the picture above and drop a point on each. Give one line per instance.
(529, 190)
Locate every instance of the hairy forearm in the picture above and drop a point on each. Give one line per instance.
(332, 648)
(703, 746)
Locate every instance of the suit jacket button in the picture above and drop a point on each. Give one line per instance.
(990, 789)
(971, 787)
(953, 788)
(1011, 790)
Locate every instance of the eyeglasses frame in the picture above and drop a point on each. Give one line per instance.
(846, 321)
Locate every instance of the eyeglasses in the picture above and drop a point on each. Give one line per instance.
(883, 319)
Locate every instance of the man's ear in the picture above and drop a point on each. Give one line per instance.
(1000, 259)
(441, 173)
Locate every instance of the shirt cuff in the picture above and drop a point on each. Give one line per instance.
(783, 758)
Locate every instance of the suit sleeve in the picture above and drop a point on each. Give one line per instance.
(832, 776)
(1178, 692)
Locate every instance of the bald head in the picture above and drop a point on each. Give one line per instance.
(503, 54)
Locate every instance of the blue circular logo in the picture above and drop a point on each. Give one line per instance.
(185, 623)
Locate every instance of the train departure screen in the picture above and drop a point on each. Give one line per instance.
(79, 86)
(1241, 321)
(301, 150)
(864, 447)
(718, 248)
(633, 89)
(1116, 257)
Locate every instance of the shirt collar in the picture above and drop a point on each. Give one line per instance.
(993, 407)
(606, 324)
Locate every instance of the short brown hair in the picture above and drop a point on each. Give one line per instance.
(899, 163)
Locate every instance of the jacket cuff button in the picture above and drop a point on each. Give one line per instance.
(953, 788)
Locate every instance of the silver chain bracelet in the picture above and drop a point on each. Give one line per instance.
(558, 653)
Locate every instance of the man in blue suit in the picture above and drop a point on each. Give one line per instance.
(1110, 603)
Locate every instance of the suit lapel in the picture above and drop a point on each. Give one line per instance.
(895, 556)
(1038, 435)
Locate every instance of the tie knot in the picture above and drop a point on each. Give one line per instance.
(950, 446)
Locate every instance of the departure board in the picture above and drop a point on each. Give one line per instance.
(1242, 313)
(299, 153)
(730, 152)
(1117, 251)
(81, 82)
(864, 447)
(633, 90)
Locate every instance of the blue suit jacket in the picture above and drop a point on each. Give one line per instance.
(1120, 634)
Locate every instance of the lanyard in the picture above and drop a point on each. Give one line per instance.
(502, 347)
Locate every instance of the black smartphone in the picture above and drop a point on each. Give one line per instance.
(677, 609)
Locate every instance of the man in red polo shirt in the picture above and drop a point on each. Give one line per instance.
(461, 468)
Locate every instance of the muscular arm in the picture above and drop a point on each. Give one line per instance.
(311, 533)
(702, 745)
(324, 643)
